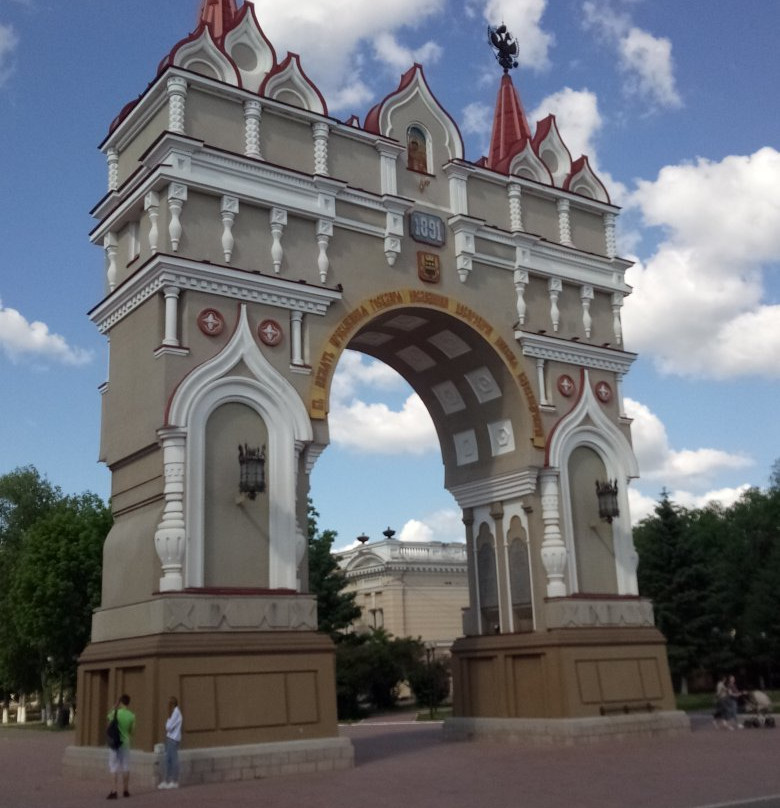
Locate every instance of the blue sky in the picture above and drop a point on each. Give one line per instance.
(676, 105)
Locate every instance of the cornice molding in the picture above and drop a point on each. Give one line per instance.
(540, 346)
(166, 270)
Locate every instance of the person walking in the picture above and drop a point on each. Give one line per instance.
(172, 742)
(119, 759)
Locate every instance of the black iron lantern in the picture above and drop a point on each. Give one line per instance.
(608, 505)
(252, 465)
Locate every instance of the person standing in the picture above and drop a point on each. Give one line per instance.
(119, 759)
(172, 742)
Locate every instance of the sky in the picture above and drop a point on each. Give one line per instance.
(675, 104)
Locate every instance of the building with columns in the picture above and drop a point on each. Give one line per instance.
(250, 237)
(409, 588)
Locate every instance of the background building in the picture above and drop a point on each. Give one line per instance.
(411, 589)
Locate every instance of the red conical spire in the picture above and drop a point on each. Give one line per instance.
(510, 127)
(218, 15)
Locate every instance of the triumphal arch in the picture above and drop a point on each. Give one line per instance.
(250, 238)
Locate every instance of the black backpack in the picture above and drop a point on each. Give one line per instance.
(113, 735)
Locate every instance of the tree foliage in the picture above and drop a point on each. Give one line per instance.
(713, 575)
(370, 668)
(50, 574)
(336, 609)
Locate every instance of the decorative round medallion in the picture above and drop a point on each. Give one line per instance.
(270, 332)
(566, 386)
(603, 392)
(211, 322)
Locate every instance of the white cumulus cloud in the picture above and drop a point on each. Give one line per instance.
(389, 50)
(682, 468)
(376, 428)
(21, 339)
(8, 43)
(701, 306)
(336, 62)
(645, 60)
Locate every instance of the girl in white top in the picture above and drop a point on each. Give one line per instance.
(172, 741)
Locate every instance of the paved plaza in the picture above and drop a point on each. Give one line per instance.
(405, 765)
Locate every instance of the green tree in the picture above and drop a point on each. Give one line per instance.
(25, 497)
(336, 609)
(430, 681)
(56, 584)
(674, 573)
(370, 669)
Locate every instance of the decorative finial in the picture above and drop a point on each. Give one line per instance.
(505, 44)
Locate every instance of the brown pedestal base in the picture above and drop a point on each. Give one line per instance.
(236, 689)
(573, 673)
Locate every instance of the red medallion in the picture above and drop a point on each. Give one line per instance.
(270, 332)
(603, 392)
(566, 386)
(211, 322)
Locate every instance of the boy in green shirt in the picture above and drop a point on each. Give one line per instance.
(119, 759)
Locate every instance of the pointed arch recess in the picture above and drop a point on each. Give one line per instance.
(588, 425)
(275, 400)
(325, 364)
(189, 53)
(413, 84)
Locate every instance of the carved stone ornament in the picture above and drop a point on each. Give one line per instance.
(428, 267)
(603, 392)
(211, 322)
(270, 333)
(566, 386)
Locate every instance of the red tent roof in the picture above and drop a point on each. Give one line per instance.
(218, 15)
(510, 127)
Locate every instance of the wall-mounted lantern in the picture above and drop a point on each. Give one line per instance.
(608, 505)
(252, 466)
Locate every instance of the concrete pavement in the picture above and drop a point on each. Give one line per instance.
(404, 764)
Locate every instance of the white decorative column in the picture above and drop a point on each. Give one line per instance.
(228, 209)
(553, 549)
(388, 159)
(278, 218)
(111, 246)
(586, 296)
(169, 538)
(564, 222)
(321, 132)
(555, 287)
(521, 281)
(113, 169)
(171, 337)
(619, 394)
(324, 235)
(177, 96)
(253, 113)
(515, 193)
(610, 239)
(617, 326)
(459, 189)
(296, 337)
(152, 208)
(177, 196)
(541, 383)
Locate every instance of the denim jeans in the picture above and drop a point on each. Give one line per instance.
(171, 760)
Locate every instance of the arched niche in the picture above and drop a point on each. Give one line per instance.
(487, 580)
(236, 545)
(519, 564)
(418, 149)
(594, 542)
